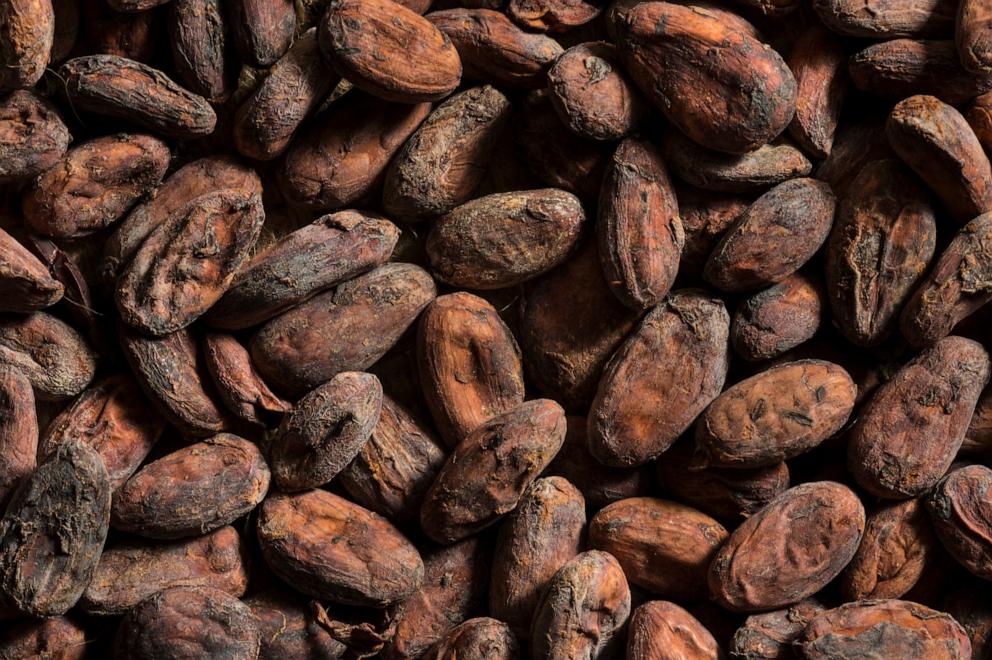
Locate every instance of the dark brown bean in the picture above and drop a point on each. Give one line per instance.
(376, 566)
(54, 357)
(819, 64)
(770, 636)
(25, 283)
(330, 333)
(53, 531)
(790, 549)
(18, 430)
(959, 509)
(553, 15)
(482, 638)
(490, 470)
(910, 430)
(660, 379)
(238, 384)
(290, 629)
(262, 29)
(56, 637)
(972, 34)
(222, 479)
(888, 19)
(772, 239)
(776, 320)
(135, 570)
(124, 89)
(878, 250)
(199, 45)
(25, 42)
(32, 136)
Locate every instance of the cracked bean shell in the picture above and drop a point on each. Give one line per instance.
(54, 356)
(290, 629)
(347, 329)
(489, 471)
(375, 567)
(663, 546)
(638, 225)
(389, 51)
(788, 550)
(886, 628)
(213, 624)
(172, 373)
(134, 570)
(94, 185)
(53, 532)
(25, 283)
(586, 603)
(55, 637)
(776, 415)
(777, 234)
(193, 490)
(325, 431)
(660, 379)
(470, 365)
(878, 250)
(911, 428)
(723, 88)
(123, 89)
(960, 510)
(501, 240)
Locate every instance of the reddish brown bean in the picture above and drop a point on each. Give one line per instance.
(660, 629)
(18, 430)
(776, 320)
(25, 283)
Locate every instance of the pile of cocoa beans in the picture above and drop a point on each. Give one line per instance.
(495, 329)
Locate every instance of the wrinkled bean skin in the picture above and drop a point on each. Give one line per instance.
(26, 38)
(390, 52)
(887, 19)
(910, 430)
(445, 160)
(214, 624)
(262, 29)
(223, 478)
(774, 237)
(495, 51)
(187, 263)
(289, 628)
(53, 532)
(586, 602)
(776, 320)
(394, 469)
(120, 88)
(955, 288)
(705, 217)
(958, 507)
(18, 430)
(292, 351)
(817, 525)
(936, 141)
(536, 539)
(133, 571)
(770, 636)
(331, 250)
(504, 239)
(54, 357)
(325, 431)
(238, 384)
(376, 567)
(819, 64)
(776, 415)
(553, 15)
(266, 122)
(94, 185)
(490, 470)
(477, 639)
(470, 365)
(113, 418)
(639, 229)
(735, 101)
(879, 249)
(660, 629)
(896, 548)
(911, 630)
(33, 136)
(25, 283)
(663, 546)
(172, 373)
(972, 35)
(660, 379)
(199, 44)
(455, 579)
